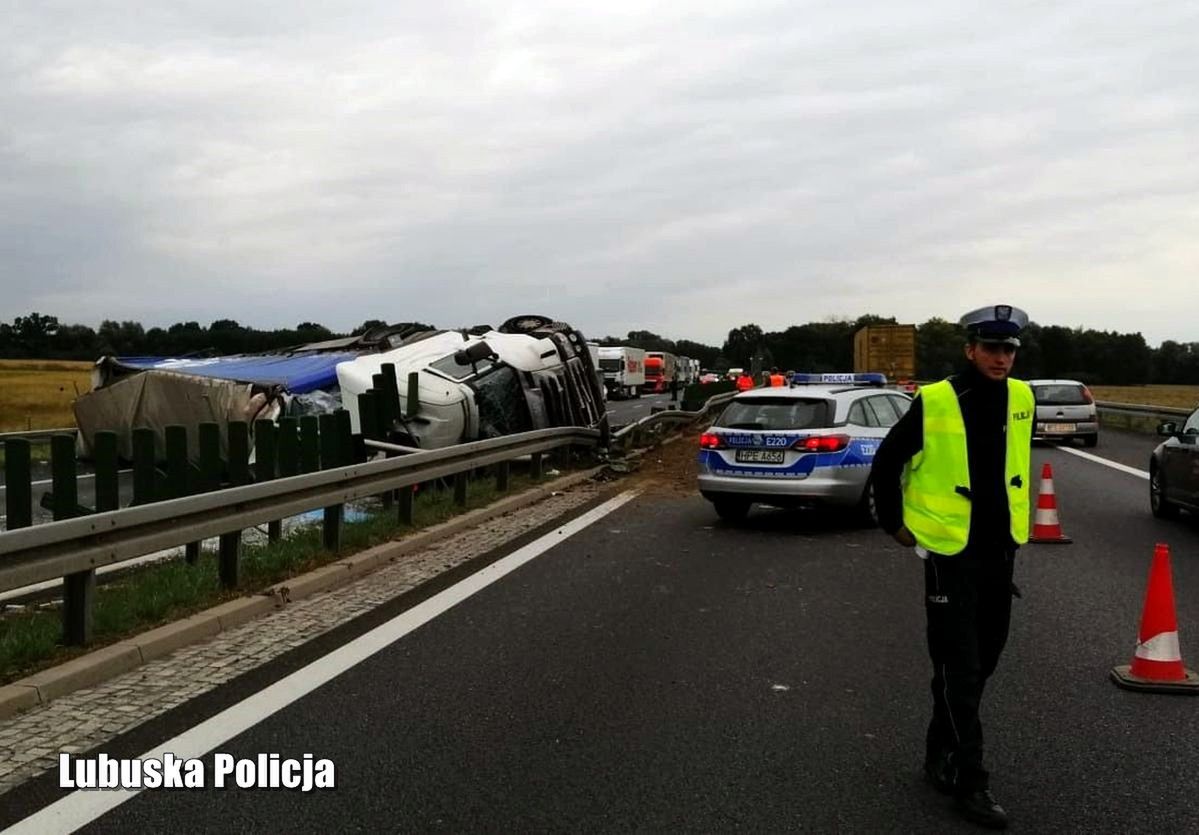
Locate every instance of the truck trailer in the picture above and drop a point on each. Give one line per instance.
(890, 349)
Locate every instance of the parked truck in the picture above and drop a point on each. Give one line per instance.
(624, 371)
(890, 349)
(660, 368)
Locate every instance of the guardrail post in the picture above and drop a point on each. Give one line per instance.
(310, 444)
(78, 589)
(460, 489)
(535, 466)
(413, 400)
(503, 472)
(239, 473)
(266, 467)
(330, 459)
(145, 477)
(18, 478)
(407, 504)
(562, 457)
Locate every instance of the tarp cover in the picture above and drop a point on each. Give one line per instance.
(160, 399)
(295, 373)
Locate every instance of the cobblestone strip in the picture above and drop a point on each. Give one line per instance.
(30, 742)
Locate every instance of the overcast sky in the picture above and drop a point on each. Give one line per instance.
(683, 169)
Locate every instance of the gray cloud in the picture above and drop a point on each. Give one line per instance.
(683, 170)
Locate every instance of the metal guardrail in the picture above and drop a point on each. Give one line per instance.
(630, 433)
(58, 549)
(1140, 409)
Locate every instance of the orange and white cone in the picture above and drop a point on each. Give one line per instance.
(1046, 528)
(1157, 660)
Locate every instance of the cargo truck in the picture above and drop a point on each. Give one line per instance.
(624, 371)
(889, 349)
(660, 368)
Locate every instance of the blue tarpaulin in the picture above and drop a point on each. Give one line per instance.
(296, 373)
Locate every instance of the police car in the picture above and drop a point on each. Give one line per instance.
(809, 443)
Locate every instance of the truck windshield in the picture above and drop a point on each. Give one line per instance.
(775, 413)
(451, 368)
(501, 402)
(610, 365)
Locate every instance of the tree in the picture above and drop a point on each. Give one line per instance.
(742, 345)
(938, 349)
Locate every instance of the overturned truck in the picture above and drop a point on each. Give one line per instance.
(529, 373)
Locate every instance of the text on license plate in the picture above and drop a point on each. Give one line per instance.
(1059, 427)
(759, 456)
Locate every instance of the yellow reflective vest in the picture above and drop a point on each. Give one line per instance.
(936, 493)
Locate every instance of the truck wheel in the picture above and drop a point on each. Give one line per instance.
(525, 324)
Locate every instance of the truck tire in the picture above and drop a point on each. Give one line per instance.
(526, 324)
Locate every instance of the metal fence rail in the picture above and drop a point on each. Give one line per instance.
(74, 548)
(35, 435)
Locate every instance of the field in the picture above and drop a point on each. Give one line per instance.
(37, 394)
(1182, 397)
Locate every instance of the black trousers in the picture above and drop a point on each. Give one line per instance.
(968, 598)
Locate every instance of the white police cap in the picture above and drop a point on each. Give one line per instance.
(998, 323)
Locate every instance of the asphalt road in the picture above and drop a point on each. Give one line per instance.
(662, 670)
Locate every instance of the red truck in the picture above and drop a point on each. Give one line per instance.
(660, 368)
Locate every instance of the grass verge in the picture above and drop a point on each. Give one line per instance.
(150, 596)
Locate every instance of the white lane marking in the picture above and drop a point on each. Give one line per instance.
(1124, 468)
(80, 808)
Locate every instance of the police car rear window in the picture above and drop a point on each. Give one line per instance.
(775, 413)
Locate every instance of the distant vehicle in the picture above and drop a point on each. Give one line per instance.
(811, 443)
(1174, 469)
(734, 373)
(660, 368)
(624, 371)
(886, 349)
(530, 373)
(709, 377)
(1065, 410)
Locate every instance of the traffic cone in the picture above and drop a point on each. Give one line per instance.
(1157, 661)
(1046, 528)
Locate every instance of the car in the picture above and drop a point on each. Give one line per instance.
(1065, 410)
(1174, 469)
(529, 373)
(810, 443)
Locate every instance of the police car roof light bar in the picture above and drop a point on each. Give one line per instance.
(867, 379)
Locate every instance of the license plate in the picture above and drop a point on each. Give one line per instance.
(1059, 427)
(759, 456)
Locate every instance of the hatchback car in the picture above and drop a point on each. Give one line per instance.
(811, 443)
(1174, 469)
(1065, 410)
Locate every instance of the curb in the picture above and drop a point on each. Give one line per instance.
(110, 661)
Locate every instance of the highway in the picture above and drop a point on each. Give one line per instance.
(657, 669)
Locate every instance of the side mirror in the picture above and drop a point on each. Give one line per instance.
(1167, 429)
(474, 354)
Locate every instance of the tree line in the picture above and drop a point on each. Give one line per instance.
(1094, 357)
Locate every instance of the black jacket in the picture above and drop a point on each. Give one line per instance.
(984, 410)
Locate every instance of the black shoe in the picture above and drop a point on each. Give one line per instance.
(981, 808)
(937, 773)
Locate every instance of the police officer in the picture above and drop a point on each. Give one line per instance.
(963, 504)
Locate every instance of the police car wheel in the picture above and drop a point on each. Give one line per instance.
(867, 510)
(731, 510)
